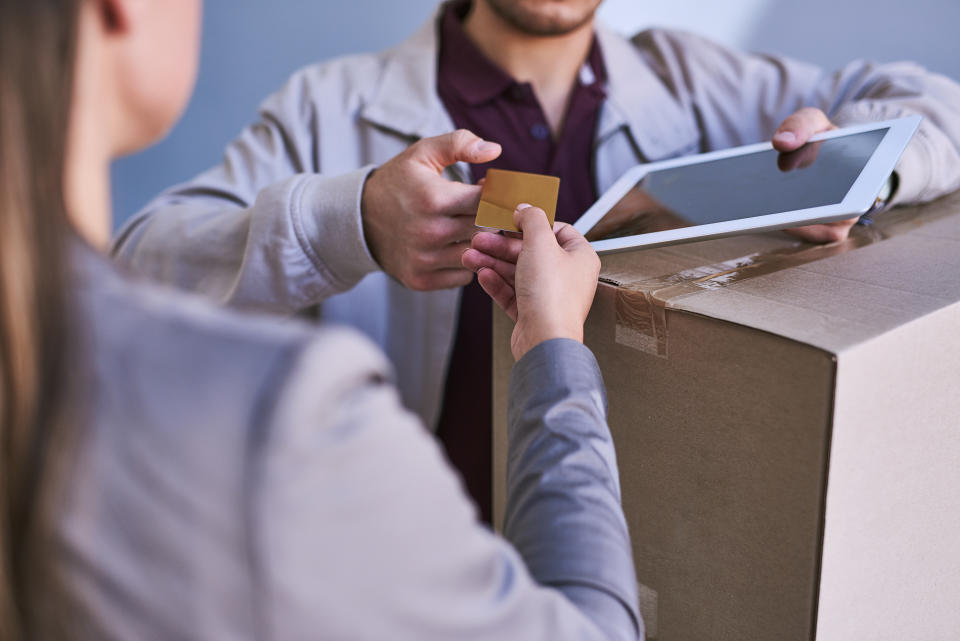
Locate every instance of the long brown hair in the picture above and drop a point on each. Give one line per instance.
(37, 56)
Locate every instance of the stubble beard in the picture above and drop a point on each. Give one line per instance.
(527, 20)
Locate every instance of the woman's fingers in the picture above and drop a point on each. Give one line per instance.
(533, 222)
(568, 237)
(497, 245)
(476, 260)
(499, 290)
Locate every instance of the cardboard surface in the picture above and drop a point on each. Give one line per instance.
(504, 190)
(892, 539)
(787, 422)
(831, 296)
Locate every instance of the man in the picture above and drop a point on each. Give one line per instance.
(329, 202)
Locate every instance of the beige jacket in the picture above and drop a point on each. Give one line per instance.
(276, 225)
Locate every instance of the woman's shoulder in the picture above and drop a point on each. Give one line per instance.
(182, 404)
(181, 353)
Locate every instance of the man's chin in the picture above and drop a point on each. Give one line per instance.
(545, 17)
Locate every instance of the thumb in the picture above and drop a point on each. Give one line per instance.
(533, 222)
(570, 239)
(439, 152)
(797, 129)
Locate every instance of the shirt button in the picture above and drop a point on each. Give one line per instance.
(540, 131)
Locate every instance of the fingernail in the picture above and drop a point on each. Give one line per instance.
(785, 136)
(484, 146)
(523, 206)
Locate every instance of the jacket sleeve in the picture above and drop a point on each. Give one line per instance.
(262, 229)
(741, 98)
(364, 532)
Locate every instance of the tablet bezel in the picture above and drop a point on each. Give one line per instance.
(858, 200)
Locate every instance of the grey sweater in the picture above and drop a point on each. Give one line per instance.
(238, 478)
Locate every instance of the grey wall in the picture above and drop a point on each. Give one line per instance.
(249, 49)
(827, 32)
(831, 32)
(251, 46)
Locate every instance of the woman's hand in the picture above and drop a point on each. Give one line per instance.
(545, 281)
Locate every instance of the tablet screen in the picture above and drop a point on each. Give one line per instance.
(756, 184)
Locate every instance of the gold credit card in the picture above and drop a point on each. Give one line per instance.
(504, 190)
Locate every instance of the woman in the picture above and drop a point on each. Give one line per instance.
(172, 471)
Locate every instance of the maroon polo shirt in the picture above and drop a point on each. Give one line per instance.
(481, 97)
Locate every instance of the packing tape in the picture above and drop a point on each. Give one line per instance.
(647, 598)
(642, 304)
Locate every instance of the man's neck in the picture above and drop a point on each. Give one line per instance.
(549, 63)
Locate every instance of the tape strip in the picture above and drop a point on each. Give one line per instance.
(642, 304)
(648, 610)
(641, 322)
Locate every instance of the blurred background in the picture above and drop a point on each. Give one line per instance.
(251, 46)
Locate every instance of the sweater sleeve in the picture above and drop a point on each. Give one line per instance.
(364, 532)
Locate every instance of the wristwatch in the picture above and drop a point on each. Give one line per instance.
(883, 199)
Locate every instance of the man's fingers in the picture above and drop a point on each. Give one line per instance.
(439, 152)
(500, 291)
(826, 233)
(505, 248)
(458, 199)
(797, 129)
(534, 224)
(448, 257)
(799, 159)
(437, 195)
(441, 231)
(441, 279)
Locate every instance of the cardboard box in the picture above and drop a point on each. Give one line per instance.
(787, 421)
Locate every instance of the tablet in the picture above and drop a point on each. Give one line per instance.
(837, 175)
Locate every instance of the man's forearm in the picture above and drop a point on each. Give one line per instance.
(298, 242)
(264, 229)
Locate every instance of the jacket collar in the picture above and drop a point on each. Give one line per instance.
(638, 100)
(406, 100)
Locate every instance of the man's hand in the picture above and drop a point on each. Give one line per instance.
(545, 281)
(795, 131)
(416, 222)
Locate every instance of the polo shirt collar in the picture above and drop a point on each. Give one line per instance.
(485, 80)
